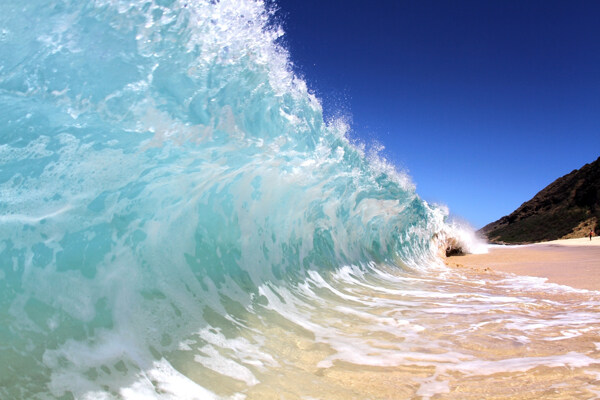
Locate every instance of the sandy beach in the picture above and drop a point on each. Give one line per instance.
(571, 262)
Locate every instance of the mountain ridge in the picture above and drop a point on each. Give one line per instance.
(568, 207)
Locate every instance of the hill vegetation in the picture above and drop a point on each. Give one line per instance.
(568, 207)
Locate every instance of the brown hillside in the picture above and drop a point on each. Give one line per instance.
(566, 208)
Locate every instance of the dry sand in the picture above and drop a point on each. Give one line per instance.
(571, 262)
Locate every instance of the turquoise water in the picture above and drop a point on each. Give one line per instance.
(172, 203)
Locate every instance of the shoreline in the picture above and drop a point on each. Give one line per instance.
(570, 262)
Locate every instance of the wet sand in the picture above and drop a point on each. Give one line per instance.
(571, 262)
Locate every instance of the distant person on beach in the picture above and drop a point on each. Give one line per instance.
(591, 233)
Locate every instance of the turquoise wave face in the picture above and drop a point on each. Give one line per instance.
(158, 158)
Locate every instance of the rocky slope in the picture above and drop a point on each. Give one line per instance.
(568, 207)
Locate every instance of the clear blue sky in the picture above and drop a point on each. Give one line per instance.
(483, 102)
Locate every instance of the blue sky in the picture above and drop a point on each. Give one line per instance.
(484, 103)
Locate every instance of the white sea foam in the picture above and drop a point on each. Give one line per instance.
(162, 381)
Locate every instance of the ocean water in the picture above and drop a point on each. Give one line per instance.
(178, 221)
